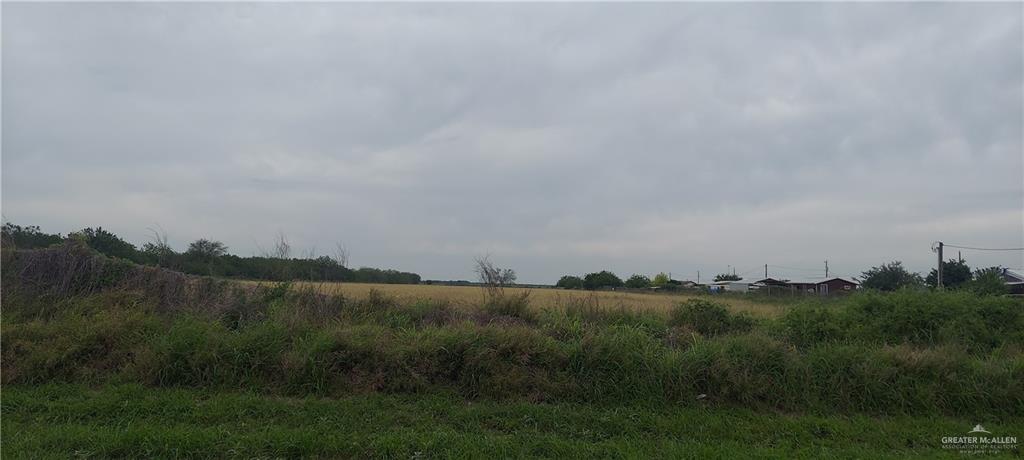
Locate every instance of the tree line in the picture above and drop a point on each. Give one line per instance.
(607, 280)
(956, 274)
(210, 257)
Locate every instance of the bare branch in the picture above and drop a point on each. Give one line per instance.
(282, 249)
(492, 278)
(341, 254)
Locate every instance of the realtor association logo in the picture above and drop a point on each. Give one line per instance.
(979, 441)
(979, 429)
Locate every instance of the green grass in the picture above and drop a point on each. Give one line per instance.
(331, 347)
(105, 362)
(61, 421)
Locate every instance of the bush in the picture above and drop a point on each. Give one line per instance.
(570, 282)
(751, 370)
(622, 363)
(602, 279)
(904, 352)
(650, 322)
(638, 282)
(976, 323)
(805, 326)
(512, 305)
(708, 318)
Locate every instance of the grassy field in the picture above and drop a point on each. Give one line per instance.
(61, 421)
(471, 296)
(102, 358)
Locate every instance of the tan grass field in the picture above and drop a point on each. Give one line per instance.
(469, 296)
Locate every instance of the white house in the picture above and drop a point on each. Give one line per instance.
(729, 286)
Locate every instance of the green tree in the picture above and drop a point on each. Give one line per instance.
(108, 244)
(601, 279)
(27, 237)
(206, 249)
(727, 277)
(954, 274)
(638, 282)
(988, 281)
(660, 279)
(570, 282)
(890, 277)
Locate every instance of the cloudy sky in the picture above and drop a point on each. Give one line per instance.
(558, 138)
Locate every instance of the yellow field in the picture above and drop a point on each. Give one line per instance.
(468, 296)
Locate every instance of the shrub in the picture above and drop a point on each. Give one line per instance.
(89, 340)
(638, 282)
(750, 370)
(931, 318)
(621, 363)
(570, 282)
(708, 318)
(809, 325)
(602, 279)
(512, 305)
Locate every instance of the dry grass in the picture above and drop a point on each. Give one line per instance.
(471, 296)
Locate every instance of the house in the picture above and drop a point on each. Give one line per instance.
(729, 286)
(837, 286)
(772, 286)
(807, 287)
(771, 282)
(1014, 281)
(829, 286)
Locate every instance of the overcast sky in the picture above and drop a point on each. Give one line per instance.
(558, 138)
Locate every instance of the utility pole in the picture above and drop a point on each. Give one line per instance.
(938, 271)
(826, 269)
(698, 276)
(765, 271)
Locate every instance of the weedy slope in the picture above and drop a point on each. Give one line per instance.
(72, 317)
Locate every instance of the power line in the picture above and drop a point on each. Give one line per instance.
(794, 268)
(982, 249)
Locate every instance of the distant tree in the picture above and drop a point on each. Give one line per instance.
(492, 278)
(570, 282)
(158, 250)
(954, 274)
(282, 249)
(205, 257)
(638, 282)
(206, 249)
(890, 277)
(601, 279)
(376, 275)
(341, 254)
(988, 281)
(27, 237)
(108, 244)
(660, 279)
(727, 277)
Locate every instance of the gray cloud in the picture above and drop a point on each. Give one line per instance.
(560, 138)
